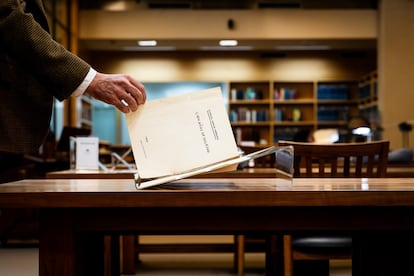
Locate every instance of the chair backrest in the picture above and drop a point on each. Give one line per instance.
(368, 159)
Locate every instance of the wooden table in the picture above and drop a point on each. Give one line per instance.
(75, 215)
(130, 243)
(393, 170)
(125, 174)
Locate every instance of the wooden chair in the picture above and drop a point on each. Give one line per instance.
(367, 159)
(330, 160)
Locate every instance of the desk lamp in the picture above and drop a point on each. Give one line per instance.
(360, 127)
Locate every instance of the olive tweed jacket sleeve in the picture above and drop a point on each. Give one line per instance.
(24, 36)
(33, 70)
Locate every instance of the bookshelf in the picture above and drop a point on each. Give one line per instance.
(268, 111)
(250, 111)
(368, 101)
(336, 103)
(368, 94)
(293, 109)
(85, 116)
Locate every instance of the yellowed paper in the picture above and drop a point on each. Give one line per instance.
(181, 133)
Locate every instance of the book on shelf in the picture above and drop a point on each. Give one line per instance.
(248, 115)
(249, 93)
(333, 92)
(181, 136)
(285, 93)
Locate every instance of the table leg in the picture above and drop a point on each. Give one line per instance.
(64, 252)
(56, 243)
(112, 255)
(129, 245)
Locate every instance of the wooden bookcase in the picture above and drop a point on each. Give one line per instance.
(293, 109)
(250, 111)
(368, 101)
(268, 111)
(85, 116)
(336, 103)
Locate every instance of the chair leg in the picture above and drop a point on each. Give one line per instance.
(287, 255)
(239, 254)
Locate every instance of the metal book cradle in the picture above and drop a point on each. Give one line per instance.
(283, 163)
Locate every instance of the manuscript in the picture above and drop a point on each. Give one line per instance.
(175, 135)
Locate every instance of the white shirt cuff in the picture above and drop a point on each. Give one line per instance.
(86, 81)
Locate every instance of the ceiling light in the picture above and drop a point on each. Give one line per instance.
(147, 43)
(119, 6)
(228, 42)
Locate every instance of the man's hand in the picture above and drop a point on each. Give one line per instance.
(119, 90)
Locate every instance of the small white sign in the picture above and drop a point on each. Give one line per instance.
(87, 153)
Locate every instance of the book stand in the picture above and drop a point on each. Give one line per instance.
(283, 158)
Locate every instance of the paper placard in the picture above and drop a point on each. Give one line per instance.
(87, 153)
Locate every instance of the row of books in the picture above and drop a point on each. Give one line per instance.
(282, 114)
(364, 91)
(324, 92)
(285, 93)
(247, 134)
(248, 115)
(333, 92)
(333, 113)
(246, 94)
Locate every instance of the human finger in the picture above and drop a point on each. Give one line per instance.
(130, 101)
(122, 105)
(138, 90)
